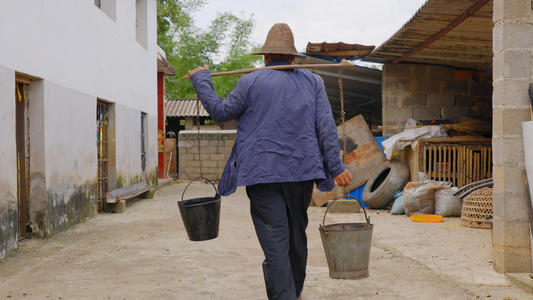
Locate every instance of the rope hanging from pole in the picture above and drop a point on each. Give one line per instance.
(343, 114)
(198, 135)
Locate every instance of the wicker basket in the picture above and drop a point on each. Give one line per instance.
(477, 206)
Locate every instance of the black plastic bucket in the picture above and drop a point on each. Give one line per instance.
(201, 216)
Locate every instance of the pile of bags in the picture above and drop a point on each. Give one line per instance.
(427, 197)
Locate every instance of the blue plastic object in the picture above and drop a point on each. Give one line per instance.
(358, 193)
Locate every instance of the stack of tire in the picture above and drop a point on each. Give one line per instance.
(391, 177)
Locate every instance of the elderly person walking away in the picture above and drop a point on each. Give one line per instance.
(286, 142)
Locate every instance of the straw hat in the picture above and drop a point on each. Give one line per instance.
(279, 41)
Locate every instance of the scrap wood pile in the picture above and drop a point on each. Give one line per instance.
(368, 165)
(386, 182)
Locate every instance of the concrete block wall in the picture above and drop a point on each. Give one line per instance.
(429, 92)
(512, 72)
(215, 149)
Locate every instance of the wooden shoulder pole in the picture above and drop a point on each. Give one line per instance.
(344, 63)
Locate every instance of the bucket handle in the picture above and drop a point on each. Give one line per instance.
(199, 177)
(367, 218)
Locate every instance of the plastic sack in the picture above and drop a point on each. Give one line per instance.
(419, 197)
(446, 204)
(398, 207)
(409, 137)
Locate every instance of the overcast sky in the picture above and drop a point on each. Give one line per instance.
(368, 22)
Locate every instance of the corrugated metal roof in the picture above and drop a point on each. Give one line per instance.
(456, 33)
(361, 89)
(163, 65)
(183, 108)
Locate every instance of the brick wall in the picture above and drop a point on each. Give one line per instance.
(215, 148)
(428, 92)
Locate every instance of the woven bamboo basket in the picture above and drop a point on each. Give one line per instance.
(477, 206)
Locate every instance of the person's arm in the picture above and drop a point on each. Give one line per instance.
(328, 139)
(220, 110)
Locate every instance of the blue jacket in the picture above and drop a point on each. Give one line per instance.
(285, 128)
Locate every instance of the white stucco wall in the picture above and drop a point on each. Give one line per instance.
(76, 45)
(8, 163)
(75, 53)
(70, 141)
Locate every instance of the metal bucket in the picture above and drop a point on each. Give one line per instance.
(201, 216)
(347, 246)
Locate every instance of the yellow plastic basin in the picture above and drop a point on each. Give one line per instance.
(426, 218)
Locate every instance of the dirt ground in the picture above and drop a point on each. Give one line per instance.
(144, 253)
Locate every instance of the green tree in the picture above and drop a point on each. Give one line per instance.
(223, 46)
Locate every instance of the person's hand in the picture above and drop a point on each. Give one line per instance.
(205, 67)
(344, 178)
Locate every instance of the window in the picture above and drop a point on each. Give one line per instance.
(109, 7)
(141, 22)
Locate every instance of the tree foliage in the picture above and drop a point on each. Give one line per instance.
(224, 45)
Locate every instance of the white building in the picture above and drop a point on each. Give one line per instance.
(78, 110)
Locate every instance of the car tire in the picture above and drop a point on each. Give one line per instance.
(391, 177)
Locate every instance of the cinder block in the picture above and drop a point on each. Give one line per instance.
(149, 194)
(456, 87)
(426, 113)
(395, 114)
(397, 70)
(425, 85)
(419, 99)
(440, 100)
(192, 163)
(508, 151)
(344, 206)
(511, 260)
(515, 35)
(453, 113)
(510, 63)
(185, 143)
(509, 206)
(420, 71)
(395, 84)
(505, 179)
(511, 9)
(511, 93)
(508, 121)
(209, 164)
(464, 74)
(441, 72)
(118, 207)
(511, 234)
(461, 100)
(217, 156)
(481, 90)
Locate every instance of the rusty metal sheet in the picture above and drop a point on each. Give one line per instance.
(363, 154)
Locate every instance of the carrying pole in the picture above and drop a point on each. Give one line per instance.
(344, 63)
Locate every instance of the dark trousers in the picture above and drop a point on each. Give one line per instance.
(279, 213)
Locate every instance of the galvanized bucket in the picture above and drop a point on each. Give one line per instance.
(347, 246)
(201, 216)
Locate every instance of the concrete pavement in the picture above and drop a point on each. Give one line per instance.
(144, 253)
